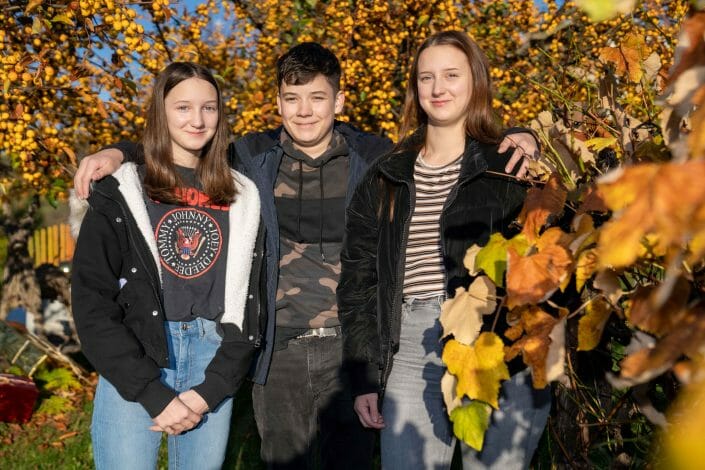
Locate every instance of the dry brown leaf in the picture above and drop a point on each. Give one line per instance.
(461, 316)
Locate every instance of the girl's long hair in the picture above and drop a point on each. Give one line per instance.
(213, 172)
(482, 122)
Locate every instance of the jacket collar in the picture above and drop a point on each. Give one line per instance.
(399, 166)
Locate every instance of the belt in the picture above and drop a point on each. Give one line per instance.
(320, 332)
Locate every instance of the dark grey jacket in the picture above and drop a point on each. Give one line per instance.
(258, 156)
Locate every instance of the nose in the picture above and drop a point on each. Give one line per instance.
(197, 119)
(305, 108)
(438, 87)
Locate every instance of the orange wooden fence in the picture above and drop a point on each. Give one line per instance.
(52, 244)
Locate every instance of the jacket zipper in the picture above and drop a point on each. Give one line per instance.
(397, 293)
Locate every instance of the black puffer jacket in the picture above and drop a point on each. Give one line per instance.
(373, 257)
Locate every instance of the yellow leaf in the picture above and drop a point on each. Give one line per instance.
(585, 267)
(461, 316)
(62, 19)
(470, 422)
(599, 143)
(492, 258)
(592, 324)
(683, 437)
(479, 368)
(31, 5)
(600, 10)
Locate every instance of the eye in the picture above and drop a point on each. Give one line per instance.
(211, 108)
(290, 99)
(182, 108)
(425, 78)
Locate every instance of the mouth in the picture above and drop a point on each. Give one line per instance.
(440, 102)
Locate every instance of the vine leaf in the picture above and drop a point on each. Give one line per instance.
(592, 324)
(461, 316)
(492, 258)
(470, 422)
(532, 279)
(540, 205)
(664, 200)
(479, 368)
(532, 335)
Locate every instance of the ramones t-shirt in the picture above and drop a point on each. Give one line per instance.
(192, 246)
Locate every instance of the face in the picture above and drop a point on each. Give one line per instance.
(308, 112)
(444, 83)
(192, 118)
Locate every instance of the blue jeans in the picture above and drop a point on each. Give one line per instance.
(120, 428)
(418, 433)
(305, 413)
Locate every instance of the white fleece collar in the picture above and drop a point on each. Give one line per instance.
(244, 216)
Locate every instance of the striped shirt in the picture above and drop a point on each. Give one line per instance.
(424, 273)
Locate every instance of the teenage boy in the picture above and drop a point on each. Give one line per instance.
(306, 171)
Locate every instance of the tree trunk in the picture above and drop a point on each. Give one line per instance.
(19, 282)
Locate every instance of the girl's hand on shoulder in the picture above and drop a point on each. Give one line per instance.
(368, 411)
(175, 418)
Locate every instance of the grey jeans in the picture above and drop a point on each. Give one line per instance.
(418, 433)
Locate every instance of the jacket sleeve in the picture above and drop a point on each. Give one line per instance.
(357, 289)
(228, 368)
(131, 151)
(233, 359)
(107, 342)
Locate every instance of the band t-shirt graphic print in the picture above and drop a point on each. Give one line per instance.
(192, 247)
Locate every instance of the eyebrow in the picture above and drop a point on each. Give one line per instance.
(443, 70)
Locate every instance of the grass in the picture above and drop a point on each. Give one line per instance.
(63, 441)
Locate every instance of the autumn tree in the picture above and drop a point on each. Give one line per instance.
(587, 76)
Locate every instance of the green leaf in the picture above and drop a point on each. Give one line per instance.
(54, 405)
(311, 3)
(470, 422)
(492, 258)
(62, 19)
(422, 19)
(57, 379)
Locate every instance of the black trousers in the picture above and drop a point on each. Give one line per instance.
(305, 413)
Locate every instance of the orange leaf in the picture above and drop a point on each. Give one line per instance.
(665, 200)
(532, 279)
(535, 345)
(540, 204)
(659, 320)
(627, 58)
